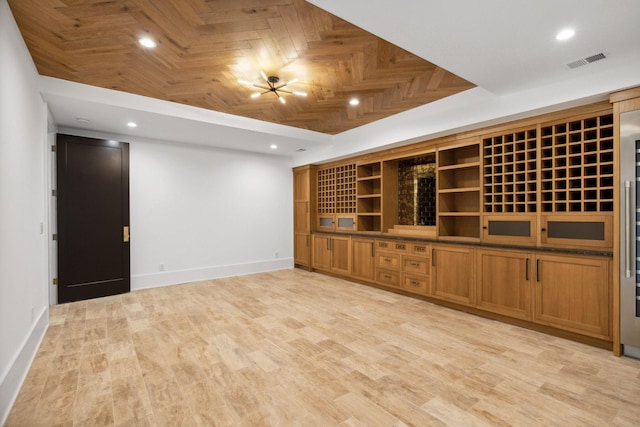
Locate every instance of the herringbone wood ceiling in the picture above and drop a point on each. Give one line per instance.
(204, 47)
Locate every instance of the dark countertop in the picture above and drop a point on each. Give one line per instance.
(388, 236)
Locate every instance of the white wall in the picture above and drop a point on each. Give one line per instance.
(205, 213)
(23, 225)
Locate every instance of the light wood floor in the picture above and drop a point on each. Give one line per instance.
(292, 348)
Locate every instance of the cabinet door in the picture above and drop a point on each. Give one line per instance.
(340, 255)
(362, 259)
(301, 180)
(504, 284)
(321, 252)
(302, 249)
(453, 274)
(573, 293)
(301, 217)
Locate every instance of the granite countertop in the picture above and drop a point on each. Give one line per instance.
(380, 235)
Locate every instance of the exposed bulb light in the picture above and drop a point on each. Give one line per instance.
(272, 84)
(132, 124)
(565, 34)
(273, 146)
(354, 101)
(147, 42)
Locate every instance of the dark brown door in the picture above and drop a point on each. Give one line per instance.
(93, 218)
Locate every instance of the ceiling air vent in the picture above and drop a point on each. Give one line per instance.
(588, 60)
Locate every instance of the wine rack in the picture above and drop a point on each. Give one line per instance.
(326, 191)
(345, 188)
(576, 165)
(337, 190)
(510, 172)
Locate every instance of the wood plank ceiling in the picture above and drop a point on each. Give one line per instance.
(204, 47)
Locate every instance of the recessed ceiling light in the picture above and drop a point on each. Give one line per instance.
(132, 124)
(565, 34)
(147, 42)
(273, 146)
(354, 101)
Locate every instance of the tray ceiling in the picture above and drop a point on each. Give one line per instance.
(204, 47)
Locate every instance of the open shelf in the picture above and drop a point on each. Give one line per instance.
(369, 197)
(458, 184)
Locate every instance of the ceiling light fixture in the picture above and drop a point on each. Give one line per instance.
(565, 34)
(354, 101)
(147, 42)
(132, 125)
(273, 146)
(273, 85)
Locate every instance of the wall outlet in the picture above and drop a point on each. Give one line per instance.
(161, 267)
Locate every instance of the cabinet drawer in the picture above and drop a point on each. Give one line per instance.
(417, 265)
(416, 284)
(419, 249)
(388, 277)
(391, 246)
(401, 247)
(388, 260)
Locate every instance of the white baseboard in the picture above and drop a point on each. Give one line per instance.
(12, 381)
(166, 278)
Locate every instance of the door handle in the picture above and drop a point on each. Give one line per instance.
(627, 229)
(125, 234)
(526, 269)
(537, 270)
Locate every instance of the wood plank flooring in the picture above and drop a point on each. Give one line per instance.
(292, 348)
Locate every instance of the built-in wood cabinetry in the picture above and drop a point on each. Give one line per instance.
(504, 282)
(518, 209)
(332, 253)
(458, 183)
(337, 197)
(454, 273)
(363, 259)
(573, 293)
(416, 269)
(303, 213)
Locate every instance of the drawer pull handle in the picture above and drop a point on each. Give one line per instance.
(402, 247)
(421, 249)
(415, 264)
(415, 283)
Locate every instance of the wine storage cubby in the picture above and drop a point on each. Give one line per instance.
(576, 165)
(510, 172)
(326, 190)
(337, 203)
